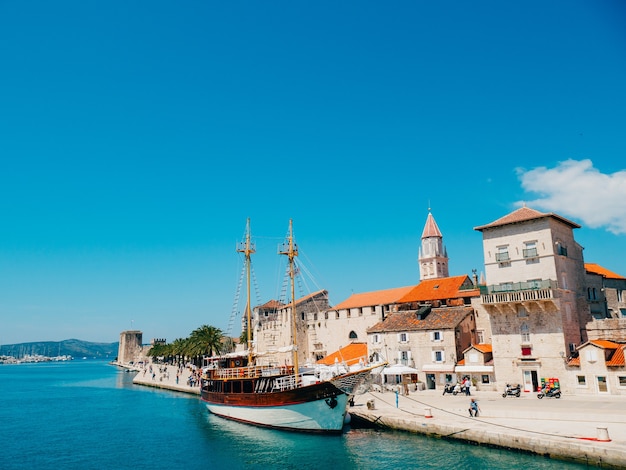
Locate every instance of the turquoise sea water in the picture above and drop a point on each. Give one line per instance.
(88, 415)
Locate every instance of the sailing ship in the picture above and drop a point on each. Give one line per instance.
(280, 396)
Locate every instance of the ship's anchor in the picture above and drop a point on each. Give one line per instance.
(332, 402)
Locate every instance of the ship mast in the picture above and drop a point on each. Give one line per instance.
(291, 250)
(247, 248)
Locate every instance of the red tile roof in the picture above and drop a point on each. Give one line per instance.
(483, 347)
(440, 289)
(522, 215)
(368, 299)
(574, 362)
(310, 296)
(350, 354)
(431, 229)
(272, 304)
(594, 268)
(604, 344)
(438, 318)
(617, 359)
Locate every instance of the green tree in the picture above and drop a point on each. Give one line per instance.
(205, 340)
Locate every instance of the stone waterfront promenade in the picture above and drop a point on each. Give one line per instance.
(590, 430)
(167, 377)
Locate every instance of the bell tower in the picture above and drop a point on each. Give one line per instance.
(432, 257)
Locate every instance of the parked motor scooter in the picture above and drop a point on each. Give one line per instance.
(452, 388)
(512, 390)
(549, 392)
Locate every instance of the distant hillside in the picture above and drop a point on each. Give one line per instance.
(72, 347)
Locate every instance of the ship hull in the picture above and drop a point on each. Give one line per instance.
(320, 407)
(312, 416)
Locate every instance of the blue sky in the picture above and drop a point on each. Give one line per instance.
(136, 138)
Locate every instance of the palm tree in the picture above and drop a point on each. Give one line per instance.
(179, 350)
(205, 340)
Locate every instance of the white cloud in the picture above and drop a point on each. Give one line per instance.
(577, 190)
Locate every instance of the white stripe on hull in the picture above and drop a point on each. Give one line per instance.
(310, 416)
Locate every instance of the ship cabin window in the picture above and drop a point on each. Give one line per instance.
(247, 386)
(236, 386)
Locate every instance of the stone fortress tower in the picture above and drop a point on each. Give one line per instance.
(130, 346)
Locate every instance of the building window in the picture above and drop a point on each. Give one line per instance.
(404, 357)
(529, 252)
(620, 295)
(561, 249)
(376, 338)
(360, 312)
(592, 355)
(525, 333)
(352, 335)
(621, 380)
(521, 311)
(315, 317)
(485, 378)
(438, 356)
(502, 256)
(436, 336)
(602, 385)
(480, 336)
(337, 315)
(592, 293)
(403, 337)
(582, 380)
(325, 315)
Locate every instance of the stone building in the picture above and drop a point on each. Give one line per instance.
(535, 295)
(599, 368)
(273, 329)
(130, 347)
(606, 292)
(430, 340)
(348, 321)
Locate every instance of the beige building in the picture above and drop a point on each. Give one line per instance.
(535, 295)
(429, 339)
(273, 329)
(599, 368)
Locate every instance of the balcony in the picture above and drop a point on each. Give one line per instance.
(521, 293)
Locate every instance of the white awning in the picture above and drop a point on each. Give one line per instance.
(438, 368)
(475, 368)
